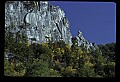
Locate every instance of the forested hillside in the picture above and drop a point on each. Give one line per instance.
(38, 43)
(56, 59)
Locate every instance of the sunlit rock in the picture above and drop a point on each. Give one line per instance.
(40, 20)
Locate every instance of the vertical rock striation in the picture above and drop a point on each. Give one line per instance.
(41, 22)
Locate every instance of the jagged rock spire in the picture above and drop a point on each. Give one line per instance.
(81, 41)
(46, 22)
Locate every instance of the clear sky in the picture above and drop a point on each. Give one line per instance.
(97, 20)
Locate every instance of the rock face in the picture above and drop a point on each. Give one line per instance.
(81, 41)
(40, 20)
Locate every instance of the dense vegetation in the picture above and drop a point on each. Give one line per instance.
(56, 59)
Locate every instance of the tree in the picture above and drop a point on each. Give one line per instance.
(108, 51)
(57, 59)
(40, 68)
(69, 72)
(109, 69)
(10, 69)
(87, 70)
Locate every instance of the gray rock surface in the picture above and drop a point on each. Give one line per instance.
(85, 43)
(41, 21)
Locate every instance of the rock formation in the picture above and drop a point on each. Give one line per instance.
(41, 22)
(81, 41)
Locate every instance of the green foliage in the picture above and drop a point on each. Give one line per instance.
(56, 59)
(68, 71)
(61, 44)
(57, 52)
(108, 51)
(10, 69)
(41, 68)
(86, 71)
(74, 41)
(109, 69)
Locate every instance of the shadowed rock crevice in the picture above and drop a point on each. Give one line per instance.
(41, 20)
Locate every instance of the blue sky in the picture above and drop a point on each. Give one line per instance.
(97, 20)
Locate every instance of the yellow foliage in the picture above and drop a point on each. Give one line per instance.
(113, 63)
(57, 62)
(27, 44)
(58, 49)
(62, 51)
(62, 69)
(9, 69)
(69, 69)
(80, 51)
(68, 46)
(88, 64)
(44, 44)
(76, 66)
(51, 70)
(88, 51)
(52, 55)
(74, 71)
(21, 73)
